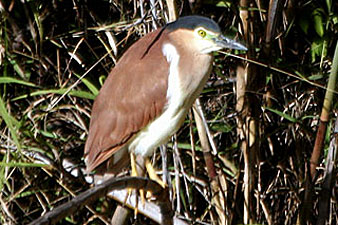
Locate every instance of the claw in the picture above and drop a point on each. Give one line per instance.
(135, 173)
(152, 173)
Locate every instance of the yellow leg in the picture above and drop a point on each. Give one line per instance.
(152, 173)
(133, 165)
(134, 173)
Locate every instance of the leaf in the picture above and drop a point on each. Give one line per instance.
(102, 78)
(3, 179)
(281, 114)
(226, 4)
(17, 68)
(185, 146)
(317, 76)
(22, 164)
(9, 120)
(335, 19)
(304, 23)
(316, 49)
(317, 15)
(224, 128)
(80, 94)
(9, 80)
(328, 5)
(89, 85)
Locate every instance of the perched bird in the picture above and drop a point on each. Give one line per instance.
(147, 95)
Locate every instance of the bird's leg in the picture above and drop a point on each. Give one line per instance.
(137, 170)
(135, 173)
(152, 173)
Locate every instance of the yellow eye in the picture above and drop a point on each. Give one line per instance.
(201, 33)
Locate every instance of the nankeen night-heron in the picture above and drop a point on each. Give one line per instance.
(147, 95)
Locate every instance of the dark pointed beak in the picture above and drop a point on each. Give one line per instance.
(225, 42)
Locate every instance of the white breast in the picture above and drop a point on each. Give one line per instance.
(163, 127)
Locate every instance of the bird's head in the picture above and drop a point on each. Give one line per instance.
(201, 34)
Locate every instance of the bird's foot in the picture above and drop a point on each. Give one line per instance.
(134, 173)
(152, 173)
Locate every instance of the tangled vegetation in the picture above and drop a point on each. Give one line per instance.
(263, 110)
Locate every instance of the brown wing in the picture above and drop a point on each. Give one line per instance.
(133, 95)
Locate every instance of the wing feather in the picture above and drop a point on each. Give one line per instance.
(133, 95)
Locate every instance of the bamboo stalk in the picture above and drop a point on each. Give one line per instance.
(325, 115)
(208, 158)
(325, 193)
(172, 10)
(243, 126)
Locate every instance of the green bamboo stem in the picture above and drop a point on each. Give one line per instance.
(325, 115)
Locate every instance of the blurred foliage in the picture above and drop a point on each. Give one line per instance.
(54, 56)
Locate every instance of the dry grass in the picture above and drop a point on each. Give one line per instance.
(45, 46)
